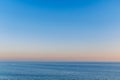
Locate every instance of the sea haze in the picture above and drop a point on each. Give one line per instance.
(59, 70)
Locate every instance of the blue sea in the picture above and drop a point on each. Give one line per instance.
(59, 70)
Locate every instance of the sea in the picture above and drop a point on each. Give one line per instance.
(36, 70)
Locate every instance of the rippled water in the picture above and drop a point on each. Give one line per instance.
(59, 71)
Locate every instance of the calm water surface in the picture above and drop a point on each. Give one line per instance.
(59, 71)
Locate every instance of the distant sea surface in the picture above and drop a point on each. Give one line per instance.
(59, 70)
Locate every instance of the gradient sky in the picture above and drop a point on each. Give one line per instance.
(60, 30)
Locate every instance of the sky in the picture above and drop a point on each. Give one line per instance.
(80, 30)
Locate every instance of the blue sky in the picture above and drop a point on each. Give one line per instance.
(47, 26)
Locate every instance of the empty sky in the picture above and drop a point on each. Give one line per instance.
(60, 29)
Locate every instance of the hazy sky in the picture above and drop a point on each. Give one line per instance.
(60, 29)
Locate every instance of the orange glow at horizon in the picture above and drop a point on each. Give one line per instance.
(62, 56)
(89, 53)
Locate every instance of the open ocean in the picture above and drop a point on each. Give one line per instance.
(59, 71)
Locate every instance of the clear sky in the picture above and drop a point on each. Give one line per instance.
(60, 30)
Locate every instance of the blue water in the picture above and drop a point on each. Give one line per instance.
(59, 71)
